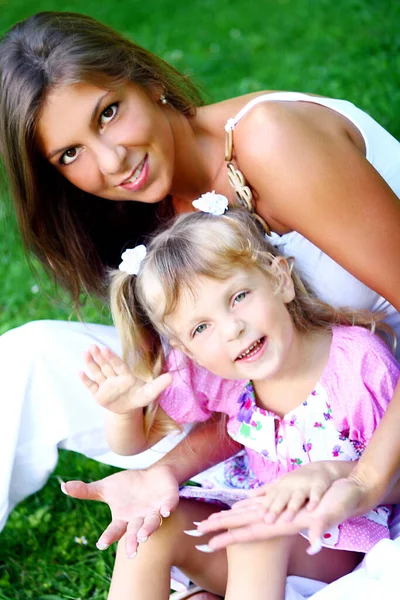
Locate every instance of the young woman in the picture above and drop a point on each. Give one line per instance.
(100, 140)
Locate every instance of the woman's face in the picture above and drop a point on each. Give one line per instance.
(114, 144)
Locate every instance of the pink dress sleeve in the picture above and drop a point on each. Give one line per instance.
(361, 377)
(195, 393)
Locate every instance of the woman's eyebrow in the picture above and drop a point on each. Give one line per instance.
(92, 118)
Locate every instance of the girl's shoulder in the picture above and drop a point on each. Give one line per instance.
(359, 359)
(359, 341)
(360, 380)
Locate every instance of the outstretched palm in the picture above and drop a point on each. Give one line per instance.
(136, 499)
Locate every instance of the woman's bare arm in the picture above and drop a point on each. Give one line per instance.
(311, 177)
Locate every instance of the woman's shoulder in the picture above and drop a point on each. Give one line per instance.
(254, 106)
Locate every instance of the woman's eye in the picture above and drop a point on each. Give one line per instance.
(239, 297)
(108, 114)
(69, 156)
(200, 329)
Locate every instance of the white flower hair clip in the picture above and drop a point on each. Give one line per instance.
(213, 203)
(132, 259)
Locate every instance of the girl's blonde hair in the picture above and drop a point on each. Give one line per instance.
(212, 246)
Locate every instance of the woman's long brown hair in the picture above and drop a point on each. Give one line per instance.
(75, 235)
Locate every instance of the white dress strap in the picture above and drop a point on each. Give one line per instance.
(271, 96)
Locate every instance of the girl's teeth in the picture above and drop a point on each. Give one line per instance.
(136, 173)
(251, 350)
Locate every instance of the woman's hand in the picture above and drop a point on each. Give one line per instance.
(113, 385)
(247, 521)
(137, 499)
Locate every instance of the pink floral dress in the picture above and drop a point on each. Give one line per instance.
(335, 422)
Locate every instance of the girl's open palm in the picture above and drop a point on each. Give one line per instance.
(113, 385)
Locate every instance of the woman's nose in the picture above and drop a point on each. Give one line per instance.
(110, 158)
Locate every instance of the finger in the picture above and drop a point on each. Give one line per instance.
(91, 360)
(119, 366)
(316, 494)
(91, 385)
(277, 505)
(82, 490)
(150, 391)
(250, 533)
(264, 499)
(152, 521)
(295, 503)
(132, 537)
(260, 531)
(104, 363)
(255, 504)
(169, 504)
(316, 531)
(113, 533)
(231, 519)
(260, 491)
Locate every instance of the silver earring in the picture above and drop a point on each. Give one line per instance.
(163, 99)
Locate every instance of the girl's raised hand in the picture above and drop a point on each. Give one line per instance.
(113, 385)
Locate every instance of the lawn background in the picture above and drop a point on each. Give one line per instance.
(340, 48)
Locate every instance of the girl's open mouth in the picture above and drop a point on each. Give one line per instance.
(253, 351)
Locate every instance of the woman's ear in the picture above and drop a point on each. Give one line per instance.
(282, 269)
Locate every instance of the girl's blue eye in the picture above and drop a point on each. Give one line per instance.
(108, 114)
(200, 328)
(239, 297)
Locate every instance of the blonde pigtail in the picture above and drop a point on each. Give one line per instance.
(141, 344)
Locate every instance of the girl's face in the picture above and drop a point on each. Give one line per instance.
(239, 328)
(114, 144)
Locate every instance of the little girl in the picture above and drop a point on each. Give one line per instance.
(296, 382)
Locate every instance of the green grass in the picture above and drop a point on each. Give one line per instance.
(339, 48)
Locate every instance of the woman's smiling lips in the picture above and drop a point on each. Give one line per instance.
(252, 352)
(138, 177)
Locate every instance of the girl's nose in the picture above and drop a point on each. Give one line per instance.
(110, 157)
(234, 328)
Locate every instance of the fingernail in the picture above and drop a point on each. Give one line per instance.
(193, 532)
(269, 518)
(165, 513)
(142, 540)
(197, 523)
(64, 488)
(315, 547)
(101, 546)
(204, 548)
(132, 555)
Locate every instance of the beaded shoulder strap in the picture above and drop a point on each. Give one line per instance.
(237, 180)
